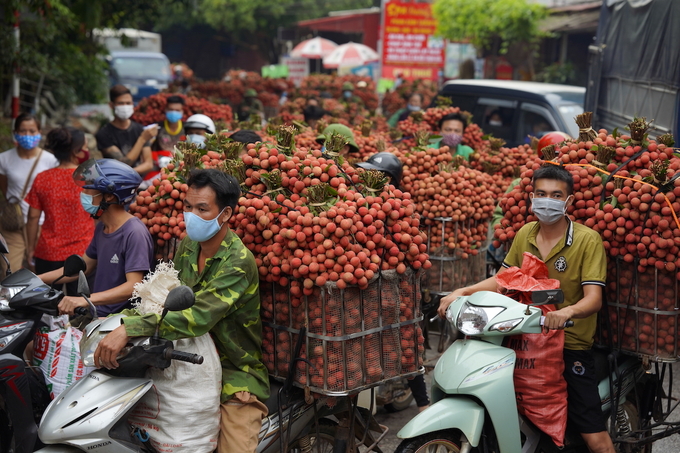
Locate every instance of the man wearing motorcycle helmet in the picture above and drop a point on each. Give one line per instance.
(121, 250)
(222, 272)
(387, 163)
(551, 138)
(197, 126)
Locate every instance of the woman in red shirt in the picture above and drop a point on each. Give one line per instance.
(67, 229)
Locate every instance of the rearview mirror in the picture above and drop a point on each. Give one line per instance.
(548, 296)
(179, 299)
(3, 245)
(83, 286)
(73, 265)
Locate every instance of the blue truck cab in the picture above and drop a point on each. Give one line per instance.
(143, 73)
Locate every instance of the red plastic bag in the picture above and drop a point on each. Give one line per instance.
(540, 387)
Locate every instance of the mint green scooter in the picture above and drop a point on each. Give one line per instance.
(474, 406)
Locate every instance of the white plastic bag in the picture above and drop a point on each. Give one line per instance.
(56, 350)
(181, 412)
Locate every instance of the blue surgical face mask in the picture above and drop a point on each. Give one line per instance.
(197, 139)
(173, 116)
(27, 141)
(347, 94)
(201, 230)
(86, 202)
(413, 108)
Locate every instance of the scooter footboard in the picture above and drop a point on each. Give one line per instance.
(59, 449)
(448, 413)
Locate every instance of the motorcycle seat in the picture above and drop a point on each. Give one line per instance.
(602, 363)
(272, 402)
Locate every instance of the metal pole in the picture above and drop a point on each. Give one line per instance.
(15, 75)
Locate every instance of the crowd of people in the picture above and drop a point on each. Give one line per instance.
(69, 203)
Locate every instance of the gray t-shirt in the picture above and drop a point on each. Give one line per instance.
(128, 249)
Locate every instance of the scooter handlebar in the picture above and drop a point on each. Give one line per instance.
(186, 357)
(569, 323)
(80, 311)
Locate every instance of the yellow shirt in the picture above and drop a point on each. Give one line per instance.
(578, 259)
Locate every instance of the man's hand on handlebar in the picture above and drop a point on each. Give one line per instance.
(555, 320)
(109, 348)
(447, 300)
(68, 305)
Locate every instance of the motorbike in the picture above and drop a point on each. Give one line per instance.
(24, 298)
(474, 403)
(93, 412)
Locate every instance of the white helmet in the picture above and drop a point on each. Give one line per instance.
(200, 121)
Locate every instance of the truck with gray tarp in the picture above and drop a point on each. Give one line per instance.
(635, 65)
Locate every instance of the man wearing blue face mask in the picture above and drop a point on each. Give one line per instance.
(196, 127)
(223, 274)
(576, 257)
(171, 129)
(121, 250)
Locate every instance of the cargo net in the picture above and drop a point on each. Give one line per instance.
(457, 253)
(355, 338)
(641, 315)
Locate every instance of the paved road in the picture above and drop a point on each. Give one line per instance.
(396, 421)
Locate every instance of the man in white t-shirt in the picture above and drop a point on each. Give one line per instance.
(15, 167)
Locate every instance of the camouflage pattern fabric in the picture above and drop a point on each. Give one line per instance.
(227, 306)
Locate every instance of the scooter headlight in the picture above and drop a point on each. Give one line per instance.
(473, 319)
(88, 346)
(94, 334)
(7, 292)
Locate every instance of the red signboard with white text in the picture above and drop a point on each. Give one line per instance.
(409, 46)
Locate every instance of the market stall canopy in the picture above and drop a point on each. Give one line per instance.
(313, 48)
(350, 54)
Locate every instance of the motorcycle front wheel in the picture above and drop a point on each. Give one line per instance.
(326, 440)
(436, 442)
(400, 403)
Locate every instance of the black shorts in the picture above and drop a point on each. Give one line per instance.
(584, 405)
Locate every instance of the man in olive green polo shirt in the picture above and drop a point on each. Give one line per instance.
(575, 256)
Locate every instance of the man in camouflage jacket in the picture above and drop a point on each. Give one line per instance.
(223, 274)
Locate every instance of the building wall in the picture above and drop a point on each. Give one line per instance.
(208, 53)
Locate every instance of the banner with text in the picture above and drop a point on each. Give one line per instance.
(410, 48)
(298, 69)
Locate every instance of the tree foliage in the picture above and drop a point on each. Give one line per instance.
(56, 42)
(261, 16)
(483, 21)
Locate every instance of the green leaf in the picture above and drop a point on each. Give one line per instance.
(615, 132)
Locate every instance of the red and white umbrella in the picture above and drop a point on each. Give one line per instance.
(350, 54)
(313, 48)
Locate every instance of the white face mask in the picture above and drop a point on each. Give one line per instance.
(495, 123)
(124, 111)
(548, 210)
